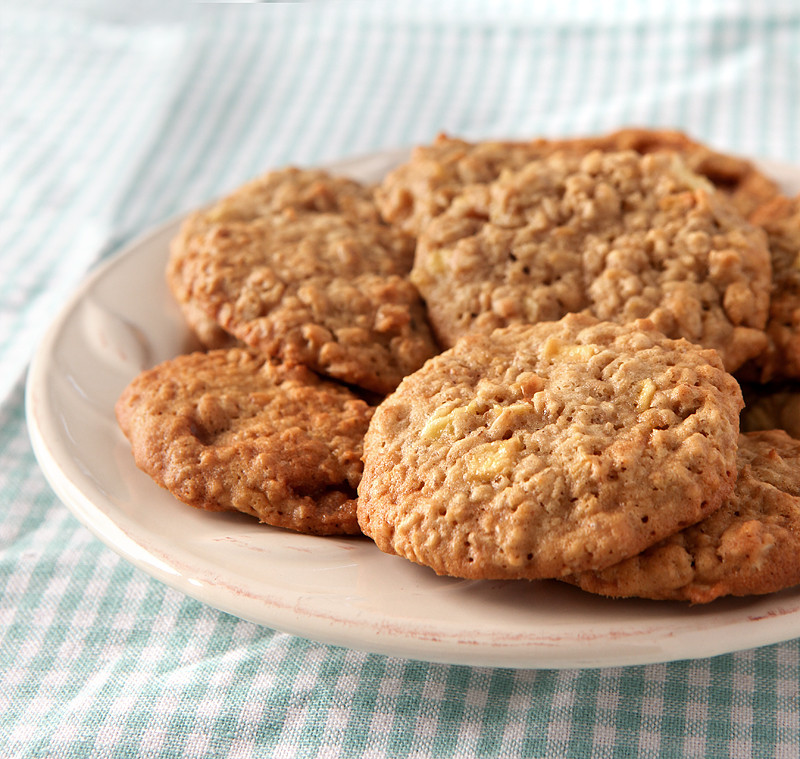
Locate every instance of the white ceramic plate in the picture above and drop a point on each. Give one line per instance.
(338, 591)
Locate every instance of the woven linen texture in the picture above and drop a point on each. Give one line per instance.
(116, 118)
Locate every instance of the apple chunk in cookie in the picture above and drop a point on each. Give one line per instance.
(539, 449)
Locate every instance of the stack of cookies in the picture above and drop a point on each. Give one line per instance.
(555, 359)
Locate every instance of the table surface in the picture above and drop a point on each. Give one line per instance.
(115, 118)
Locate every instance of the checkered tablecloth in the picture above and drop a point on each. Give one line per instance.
(114, 116)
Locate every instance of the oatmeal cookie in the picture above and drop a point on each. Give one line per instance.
(617, 235)
(542, 449)
(423, 187)
(291, 187)
(228, 430)
(316, 288)
(781, 359)
(311, 190)
(749, 546)
(419, 190)
(208, 332)
(739, 178)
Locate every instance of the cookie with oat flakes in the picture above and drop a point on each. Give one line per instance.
(420, 189)
(229, 431)
(414, 193)
(325, 288)
(749, 546)
(541, 449)
(747, 187)
(310, 190)
(780, 219)
(614, 234)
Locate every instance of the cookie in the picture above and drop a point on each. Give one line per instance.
(542, 449)
(749, 546)
(419, 190)
(228, 430)
(739, 178)
(324, 288)
(208, 333)
(617, 235)
(291, 187)
(423, 187)
(781, 359)
(312, 190)
(771, 406)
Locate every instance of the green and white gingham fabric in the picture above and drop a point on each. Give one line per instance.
(115, 116)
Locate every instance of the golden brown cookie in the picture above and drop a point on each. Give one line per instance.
(322, 284)
(615, 234)
(312, 190)
(781, 359)
(419, 190)
(423, 187)
(750, 546)
(314, 289)
(739, 178)
(228, 430)
(307, 189)
(539, 450)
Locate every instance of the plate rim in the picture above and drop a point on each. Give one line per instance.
(433, 645)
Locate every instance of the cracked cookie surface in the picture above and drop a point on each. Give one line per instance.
(616, 235)
(749, 546)
(419, 190)
(228, 430)
(317, 283)
(540, 449)
(780, 219)
(306, 189)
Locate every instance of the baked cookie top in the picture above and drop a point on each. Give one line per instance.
(618, 235)
(541, 449)
(419, 190)
(739, 178)
(307, 189)
(781, 221)
(416, 192)
(747, 547)
(301, 189)
(326, 289)
(228, 430)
